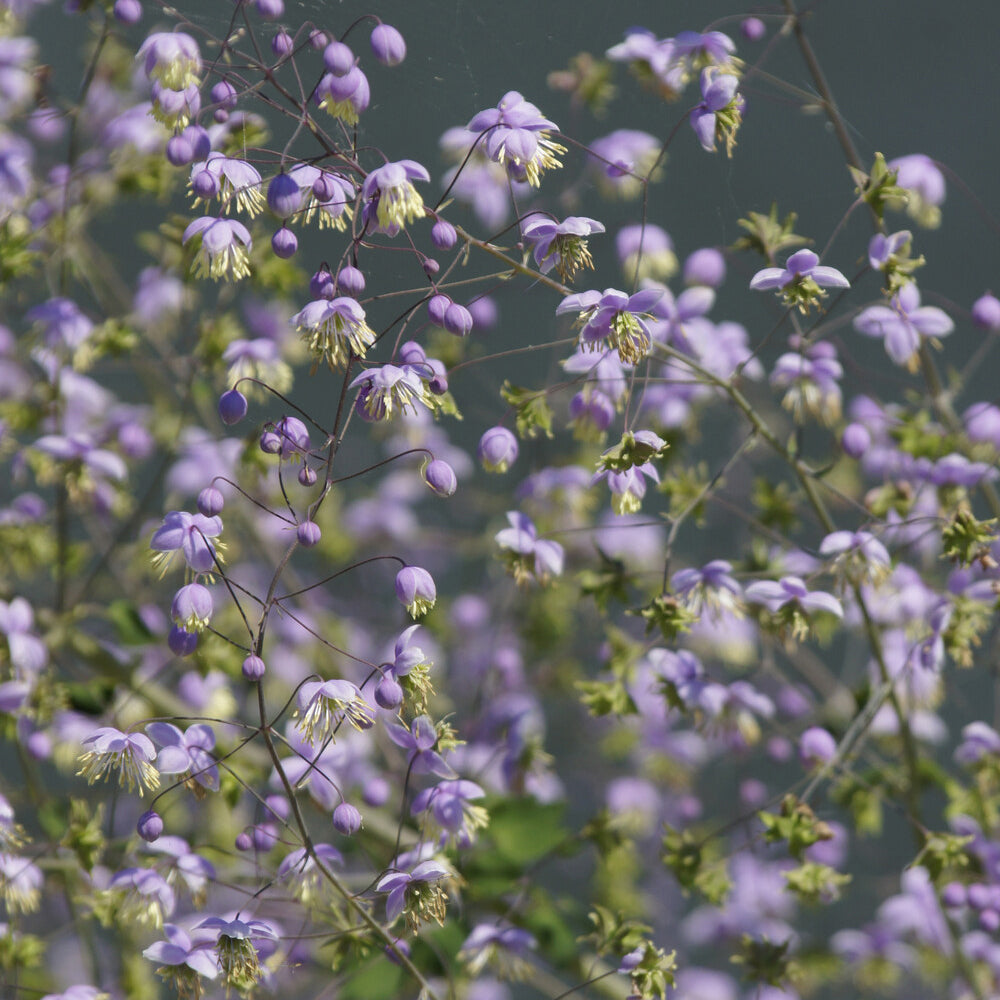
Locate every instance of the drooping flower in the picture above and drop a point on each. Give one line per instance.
(793, 602)
(517, 136)
(810, 377)
(711, 587)
(390, 389)
(183, 958)
(307, 877)
(497, 449)
(801, 281)
(527, 556)
(324, 705)
(345, 97)
(924, 182)
(561, 245)
(450, 805)
(902, 324)
(235, 949)
(720, 113)
(171, 58)
(613, 319)
(624, 160)
(858, 555)
(233, 181)
(498, 946)
(131, 754)
(418, 893)
(391, 200)
(21, 883)
(415, 590)
(224, 249)
(188, 752)
(188, 534)
(420, 739)
(333, 330)
(146, 897)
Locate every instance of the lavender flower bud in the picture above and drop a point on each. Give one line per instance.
(284, 243)
(752, 29)
(265, 836)
(224, 94)
(243, 842)
(338, 58)
(284, 196)
(437, 307)
(388, 693)
(816, 747)
(321, 285)
(253, 668)
(211, 501)
(953, 895)
(388, 45)
(458, 320)
(318, 39)
(443, 235)
(308, 534)
(430, 266)
(415, 590)
(150, 826)
(705, 267)
(440, 477)
(855, 440)
(986, 313)
(180, 150)
(205, 185)
(497, 449)
(307, 476)
(232, 407)
(323, 188)
(484, 312)
(350, 281)
(192, 607)
(346, 819)
(282, 44)
(127, 12)
(270, 9)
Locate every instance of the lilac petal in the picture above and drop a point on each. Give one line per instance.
(901, 342)
(395, 904)
(828, 277)
(703, 123)
(173, 760)
(580, 302)
(802, 261)
(770, 277)
(165, 734)
(644, 300)
(820, 601)
(931, 321)
(871, 322)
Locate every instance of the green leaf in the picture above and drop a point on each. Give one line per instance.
(532, 411)
(523, 830)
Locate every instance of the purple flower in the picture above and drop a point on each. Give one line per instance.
(628, 486)
(720, 112)
(801, 281)
(517, 136)
(811, 378)
(324, 705)
(388, 45)
(188, 534)
(528, 556)
(924, 182)
(789, 597)
(675, 315)
(326, 195)
(497, 449)
(420, 739)
(224, 250)
(171, 58)
(624, 160)
(859, 553)
(415, 590)
(192, 608)
(713, 587)
(450, 804)
(333, 330)
(180, 949)
(613, 319)
(345, 97)
(62, 323)
(979, 740)
(816, 747)
(391, 200)
(645, 251)
(389, 389)
(500, 946)
(21, 883)
(236, 951)
(132, 754)
(148, 896)
(902, 324)
(561, 245)
(189, 751)
(416, 892)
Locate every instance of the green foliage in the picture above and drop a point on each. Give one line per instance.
(522, 831)
(796, 825)
(969, 620)
(653, 973)
(967, 540)
(606, 582)
(768, 236)
(944, 855)
(813, 882)
(668, 614)
(863, 798)
(84, 832)
(694, 866)
(587, 80)
(775, 503)
(764, 961)
(686, 489)
(533, 413)
(878, 188)
(628, 453)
